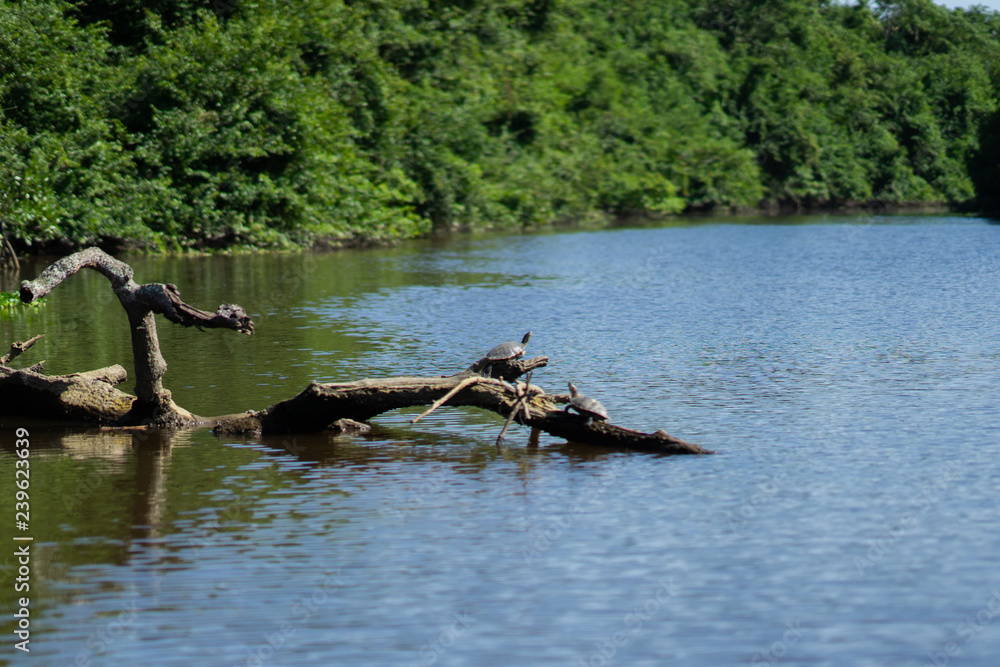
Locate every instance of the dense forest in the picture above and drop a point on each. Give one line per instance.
(171, 124)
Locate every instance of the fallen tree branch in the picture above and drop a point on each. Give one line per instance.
(18, 348)
(81, 397)
(113, 375)
(319, 405)
(522, 393)
(141, 303)
(91, 396)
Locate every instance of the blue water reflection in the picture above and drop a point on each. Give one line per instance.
(846, 373)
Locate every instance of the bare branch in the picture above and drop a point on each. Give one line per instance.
(444, 399)
(18, 348)
(141, 303)
(119, 273)
(166, 300)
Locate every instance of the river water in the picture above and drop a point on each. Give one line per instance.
(844, 369)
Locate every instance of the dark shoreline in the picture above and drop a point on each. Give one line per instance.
(596, 220)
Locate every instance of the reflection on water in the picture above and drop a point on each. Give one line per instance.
(845, 373)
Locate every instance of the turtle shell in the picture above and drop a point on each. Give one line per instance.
(589, 405)
(585, 404)
(508, 350)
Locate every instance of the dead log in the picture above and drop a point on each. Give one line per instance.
(154, 403)
(113, 375)
(319, 405)
(507, 369)
(92, 396)
(81, 397)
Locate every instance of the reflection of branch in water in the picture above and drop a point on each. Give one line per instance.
(152, 463)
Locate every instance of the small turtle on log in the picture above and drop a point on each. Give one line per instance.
(505, 352)
(587, 407)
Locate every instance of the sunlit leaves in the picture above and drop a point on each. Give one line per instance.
(189, 123)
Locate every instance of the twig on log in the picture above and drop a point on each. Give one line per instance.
(444, 399)
(524, 404)
(522, 395)
(18, 348)
(510, 418)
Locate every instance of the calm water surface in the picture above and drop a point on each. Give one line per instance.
(845, 369)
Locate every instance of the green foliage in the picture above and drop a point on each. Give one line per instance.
(10, 303)
(171, 124)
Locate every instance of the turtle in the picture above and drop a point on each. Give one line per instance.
(505, 352)
(587, 407)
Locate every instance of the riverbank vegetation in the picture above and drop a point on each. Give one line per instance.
(191, 123)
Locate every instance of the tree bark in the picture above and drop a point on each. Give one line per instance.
(82, 397)
(154, 404)
(319, 405)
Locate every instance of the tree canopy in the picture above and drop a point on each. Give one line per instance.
(173, 124)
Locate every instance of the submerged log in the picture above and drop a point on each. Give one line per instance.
(81, 397)
(92, 397)
(319, 405)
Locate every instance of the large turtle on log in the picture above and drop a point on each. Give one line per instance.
(586, 406)
(505, 352)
